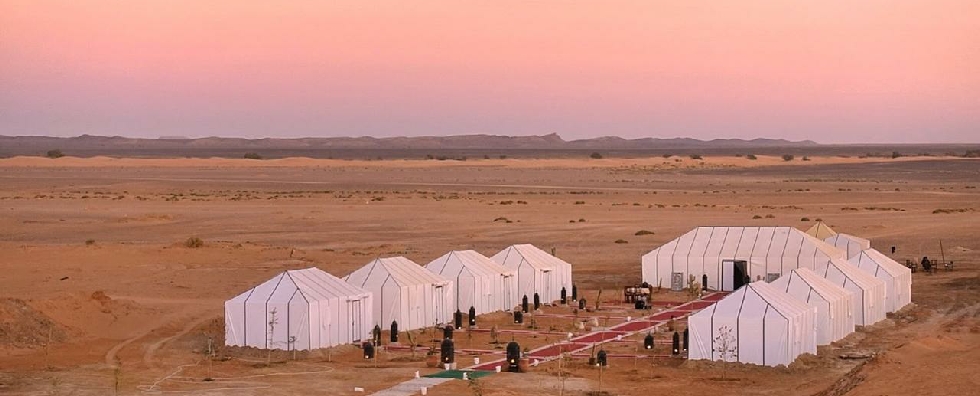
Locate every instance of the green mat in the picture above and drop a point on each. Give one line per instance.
(458, 374)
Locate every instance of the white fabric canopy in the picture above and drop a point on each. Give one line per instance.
(537, 272)
(405, 292)
(478, 281)
(897, 277)
(849, 243)
(821, 231)
(769, 252)
(767, 327)
(299, 309)
(833, 303)
(869, 292)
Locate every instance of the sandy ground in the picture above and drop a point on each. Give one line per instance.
(98, 294)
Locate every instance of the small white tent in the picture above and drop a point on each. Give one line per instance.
(833, 303)
(299, 310)
(730, 255)
(763, 325)
(897, 277)
(536, 271)
(850, 244)
(869, 292)
(405, 292)
(478, 281)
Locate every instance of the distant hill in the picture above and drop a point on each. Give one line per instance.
(109, 144)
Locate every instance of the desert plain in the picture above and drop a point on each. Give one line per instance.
(101, 294)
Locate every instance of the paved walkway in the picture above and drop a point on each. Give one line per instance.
(641, 324)
(575, 345)
(411, 387)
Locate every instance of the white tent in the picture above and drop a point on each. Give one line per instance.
(833, 303)
(764, 325)
(897, 277)
(478, 281)
(299, 309)
(730, 255)
(405, 292)
(537, 271)
(869, 292)
(849, 243)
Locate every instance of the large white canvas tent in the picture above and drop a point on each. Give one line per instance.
(478, 281)
(869, 292)
(405, 292)
(536, 271)
(833, 303)
(850, 244)
(299, 310)
(764, 325)
(730, 256)
(897, 278)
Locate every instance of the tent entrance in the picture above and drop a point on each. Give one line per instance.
(356, 321)
(734, 274)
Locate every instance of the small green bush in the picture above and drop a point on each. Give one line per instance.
(622, 241)
(696, 156)
(193, 242)
(751, 157)
(89, 242)
(253, 156)
(595, 155)
(643, 232)
(54, 154)
(788, 157)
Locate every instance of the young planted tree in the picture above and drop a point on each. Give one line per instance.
(273, 321)
(726, 346)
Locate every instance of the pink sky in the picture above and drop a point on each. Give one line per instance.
(831, 71)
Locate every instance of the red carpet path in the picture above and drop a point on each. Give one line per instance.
(640, 324)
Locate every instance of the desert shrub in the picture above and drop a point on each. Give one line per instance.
(695, 156)
(486, 156)
(580, 202)
(54, 154)
(751, 157)
(972, 154)
(668, 155)
(643, 232)
(581, 220)
(622, 241)
(430, 156)
(595, 155)
(806, 158)
(193, 242)
(896, 154)
(506, 202)
(756, 217)
(788, 157)
(503, 156)
(738, 155)
(504, 219)
(770, 216)
(805, 219)
(89, 242)
(254, 156)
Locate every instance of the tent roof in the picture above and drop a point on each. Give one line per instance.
(884, 262)
(863, 279)
(472, 261)
(534, 256)
(824, 288)
(777, 300)
(312, 283)
(840, 238)
(401, 270)
(746, 242)
(821, 231)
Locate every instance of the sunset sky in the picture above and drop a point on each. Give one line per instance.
(831, 71)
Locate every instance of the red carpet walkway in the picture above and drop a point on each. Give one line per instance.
(637, 325)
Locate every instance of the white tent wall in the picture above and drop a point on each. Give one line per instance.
(769, 327)
(897, 278)
(298, 309)
(477, 282)
(766, 251)
(850, 244)
(405, 292)
(834, 319)
(869, 292)
(537, 272)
